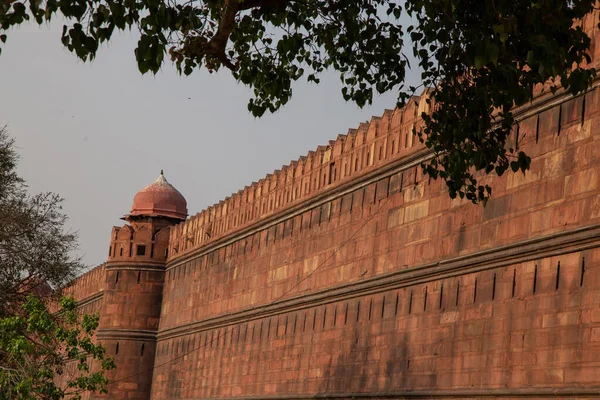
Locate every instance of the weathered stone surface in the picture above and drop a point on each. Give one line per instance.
(348, 273)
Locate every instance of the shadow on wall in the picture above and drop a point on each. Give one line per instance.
(351, 371)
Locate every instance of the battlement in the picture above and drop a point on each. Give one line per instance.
(87, 289)
(369, 147)
(87, 284)
(383, 140)
(139, 242)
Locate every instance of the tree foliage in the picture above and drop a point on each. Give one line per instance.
(35, 250)
(35, 258)
(479, 58)
(36, 345)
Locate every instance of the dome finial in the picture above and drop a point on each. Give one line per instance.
(161, 171)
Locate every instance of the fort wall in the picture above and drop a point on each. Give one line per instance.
(88, 289)
(348, 274)
(380, 283)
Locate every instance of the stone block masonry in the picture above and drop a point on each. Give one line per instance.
(384, 286)
(348, 274)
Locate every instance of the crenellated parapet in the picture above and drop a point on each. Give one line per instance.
(88, 287)
(373, 144)
(139, 242)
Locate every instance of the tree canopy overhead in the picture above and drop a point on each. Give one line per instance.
(480, 58)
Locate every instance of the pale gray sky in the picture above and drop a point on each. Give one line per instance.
(96, 133)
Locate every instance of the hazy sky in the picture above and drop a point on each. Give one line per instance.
(97, 133)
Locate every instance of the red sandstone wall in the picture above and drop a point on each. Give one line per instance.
(417, 224)
(382, 236)
(365, 149)
(370, 147)
(466, 337)
(87, 289)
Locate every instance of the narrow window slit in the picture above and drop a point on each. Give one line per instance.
(494, 287)
(410, 303)
(382, 307)
(314, 319)
(260, 331)
(559, 119)
(139, 276)
(117, 349)
(441, 295)
(425, 300)
(304, 326)
(286, 325)
(335, 315)
(457, 291)
(514, 283)
(346, 316)
(117, 278)
(582, 272)
(324, 316)
(534, 279)
(537, 129)
(357, 311)
(396, 309)
(475, 291)
(557, 276)
(370, 308)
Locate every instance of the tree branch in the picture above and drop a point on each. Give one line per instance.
(217, 45)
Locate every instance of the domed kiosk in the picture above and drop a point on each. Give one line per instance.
(159, 199)
(135, 275)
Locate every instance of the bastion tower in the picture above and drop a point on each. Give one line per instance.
(134, 285)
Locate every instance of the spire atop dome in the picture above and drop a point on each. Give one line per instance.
(159, 199)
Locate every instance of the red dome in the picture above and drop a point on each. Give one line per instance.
(159, 199)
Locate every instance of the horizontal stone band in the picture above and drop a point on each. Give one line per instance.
(135, 265)
(440, 394)
(126, 334)
(527, 250)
